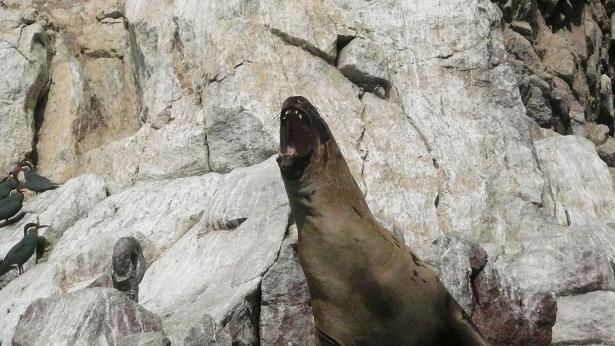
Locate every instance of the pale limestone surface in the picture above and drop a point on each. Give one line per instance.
(174, 106)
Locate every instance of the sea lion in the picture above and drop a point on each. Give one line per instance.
(366, 287)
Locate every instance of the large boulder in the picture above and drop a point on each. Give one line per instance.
(585, 319)
(216, 267)
(85, 317)
(578, 180)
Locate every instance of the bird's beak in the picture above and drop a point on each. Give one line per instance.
(22, 190)
(41, 226)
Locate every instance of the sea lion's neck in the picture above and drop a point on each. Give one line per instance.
(328, 189)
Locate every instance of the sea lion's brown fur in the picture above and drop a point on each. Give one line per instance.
(367, 288)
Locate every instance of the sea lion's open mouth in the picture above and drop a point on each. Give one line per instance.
(302, 133)
(296, 136)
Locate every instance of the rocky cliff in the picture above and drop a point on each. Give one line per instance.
(479, 132)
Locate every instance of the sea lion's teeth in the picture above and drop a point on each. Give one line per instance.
(299, 115)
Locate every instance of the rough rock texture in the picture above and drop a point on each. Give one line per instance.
(24, 73)
(85, 317)
(60, 209)
(562, 56)
(457, 262)
(243, 219)
(286, 316)
(578, 191)
(585, 319)
(449, 113)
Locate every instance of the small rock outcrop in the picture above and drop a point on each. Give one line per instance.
(86, 317)
(585, 319)
(286, 316)
(128, 265)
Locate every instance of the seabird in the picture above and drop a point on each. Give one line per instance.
(22, 251)
(11, 205)
(35, 182)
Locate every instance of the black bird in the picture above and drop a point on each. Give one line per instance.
(35, 182)
(41, 245)
(11, 205)
(8, 184)
(22, 251)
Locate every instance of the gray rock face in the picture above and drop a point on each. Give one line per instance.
(365, 64)
(243, 221)
(456, 262)
(85, 317)
(598, 134)
(607, 114)
(585, 319)
(23, 51)
(437, 107)
(606, 151)
(592, 197)
(286, 316)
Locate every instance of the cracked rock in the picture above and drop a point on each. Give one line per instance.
(305, 24)
(524, 28)
(225, 287)
(236, 138)
(598, 134)
(286, 316)
(577, 178)
(606, 151)
(365, 64)
(537, 102)
(456, 261)
(585, 319)
(68, 106)
(85, 317)
(521, 48)
(23, 75)
(606, 102)
(104, 41)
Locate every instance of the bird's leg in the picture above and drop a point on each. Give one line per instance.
(20, 269)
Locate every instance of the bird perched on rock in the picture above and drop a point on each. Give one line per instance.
(11, 205)
(22, 251)
(9, 183)
(33, 181)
